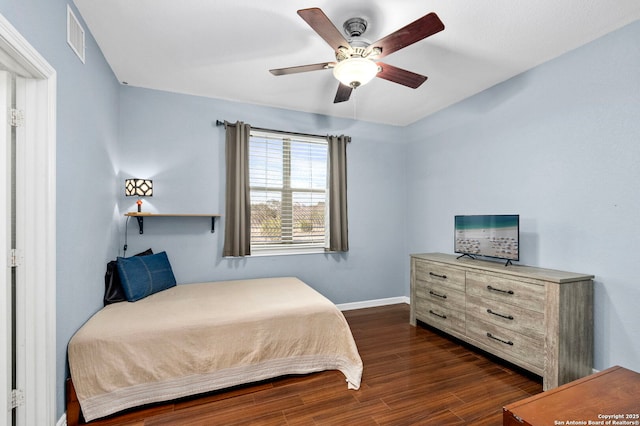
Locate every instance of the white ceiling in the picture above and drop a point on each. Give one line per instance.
(225, 48)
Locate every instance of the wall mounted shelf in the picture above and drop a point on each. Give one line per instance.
(141, 215)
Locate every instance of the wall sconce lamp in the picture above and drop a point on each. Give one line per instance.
(138, 188)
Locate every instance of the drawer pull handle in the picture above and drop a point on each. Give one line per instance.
(491, 336)
(444, 277)
(438, 315)
(441, 296)
(499, 290)
(509, 317)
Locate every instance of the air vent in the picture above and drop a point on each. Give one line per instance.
(75, 34)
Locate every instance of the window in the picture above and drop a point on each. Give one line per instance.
(288, 192)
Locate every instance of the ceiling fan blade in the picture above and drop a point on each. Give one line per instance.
(324, 27)
(301, 68)
(343, 93)
(400, 76)
(417, 30)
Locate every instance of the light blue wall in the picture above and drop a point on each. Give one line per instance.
(173, 140)
(560, 145)
(87, 125)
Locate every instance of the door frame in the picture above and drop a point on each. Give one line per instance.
(6, 228)
(36, 170)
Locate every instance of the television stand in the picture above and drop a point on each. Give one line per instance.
(466, 255)
(508, 261)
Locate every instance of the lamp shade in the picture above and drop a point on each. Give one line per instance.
(355, 72)
(138, 187)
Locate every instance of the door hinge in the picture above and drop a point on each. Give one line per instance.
(15, 258)
(17, 398)
(16, 117)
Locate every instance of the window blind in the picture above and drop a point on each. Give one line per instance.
(288, 188)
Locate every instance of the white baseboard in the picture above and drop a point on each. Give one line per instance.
(373, 303)
(63, 420)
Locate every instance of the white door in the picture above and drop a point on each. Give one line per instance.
(7, 237)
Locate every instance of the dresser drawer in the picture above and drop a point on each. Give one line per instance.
(441, 317)
(440, 275)
(517, 346)
(525, 295)
(440, 295)
(512, 317)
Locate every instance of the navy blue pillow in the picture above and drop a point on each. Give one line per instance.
(113, 291)
(142, 276)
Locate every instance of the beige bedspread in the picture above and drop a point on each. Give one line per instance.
(196, 338)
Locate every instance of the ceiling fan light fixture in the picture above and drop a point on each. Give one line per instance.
(355, 72)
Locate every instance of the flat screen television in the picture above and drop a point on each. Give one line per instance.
(496, 236)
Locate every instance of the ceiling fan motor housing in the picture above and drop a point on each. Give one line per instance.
(358, 45)
(355, 27)
(354, 67)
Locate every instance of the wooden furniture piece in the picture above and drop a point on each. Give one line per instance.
(613, 395)
(539, 319)
(141, 215)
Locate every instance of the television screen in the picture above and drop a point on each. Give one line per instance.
(488, 235)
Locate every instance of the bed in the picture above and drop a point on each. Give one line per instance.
(196, 338)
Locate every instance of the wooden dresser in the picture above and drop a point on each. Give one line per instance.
(606, 398)
(539, 319)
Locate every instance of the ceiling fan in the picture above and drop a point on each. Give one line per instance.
(357, 59)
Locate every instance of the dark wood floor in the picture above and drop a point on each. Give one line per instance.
(412, 376)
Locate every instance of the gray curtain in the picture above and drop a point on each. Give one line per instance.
(237, 231)
(337, 183)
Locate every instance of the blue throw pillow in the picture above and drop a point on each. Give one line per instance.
(113, 291)
(142, 276)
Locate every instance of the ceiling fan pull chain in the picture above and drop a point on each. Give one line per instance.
(355, 104)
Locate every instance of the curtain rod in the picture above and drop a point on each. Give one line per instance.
(222, 123)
